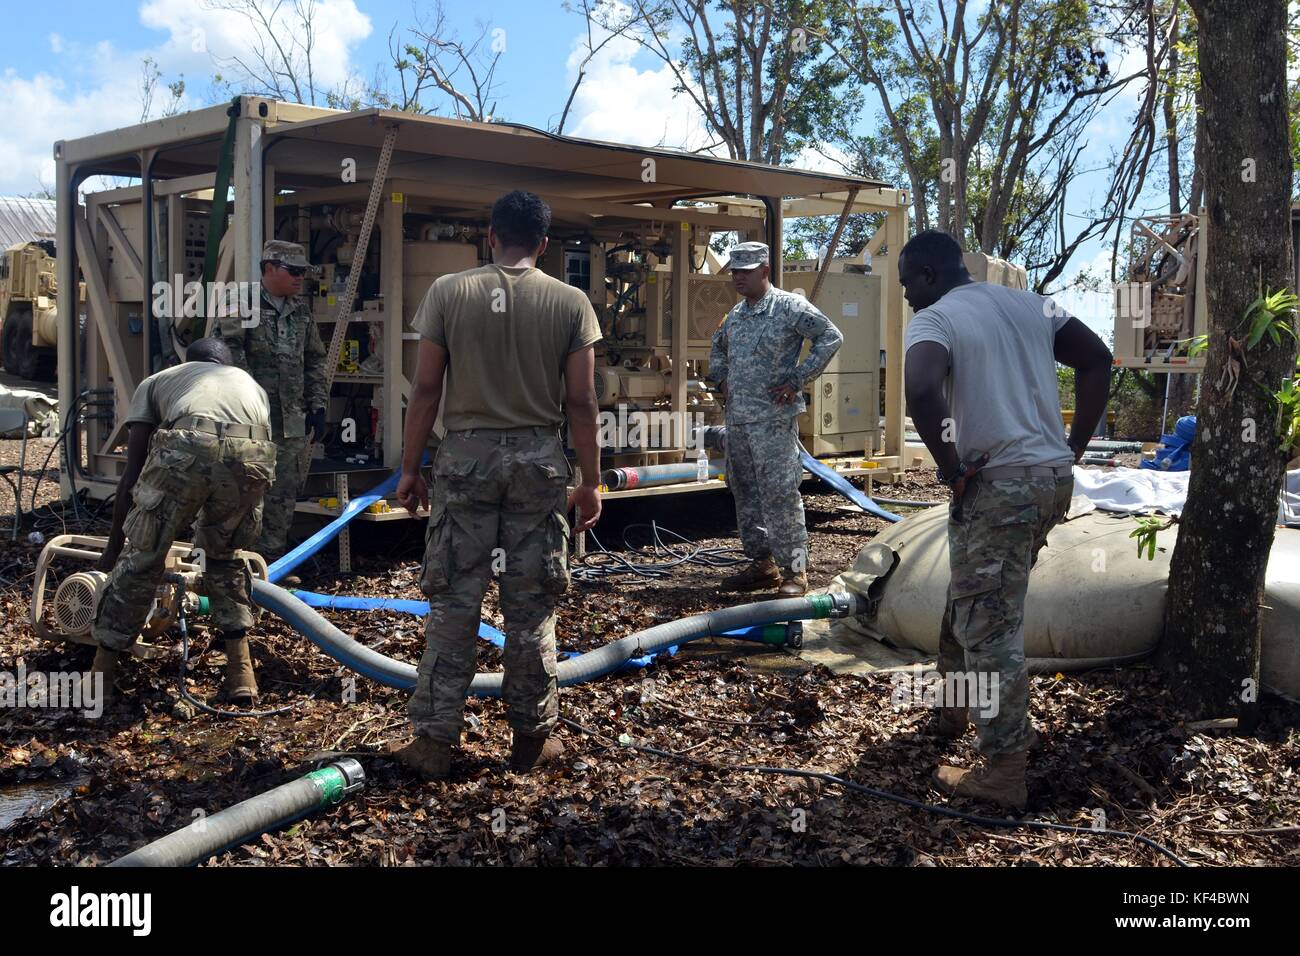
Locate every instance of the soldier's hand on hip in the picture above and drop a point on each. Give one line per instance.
(783, 394)
(316, 424)
(412, 493)
(586, 498)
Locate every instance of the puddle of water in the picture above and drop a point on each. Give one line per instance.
(34, 798)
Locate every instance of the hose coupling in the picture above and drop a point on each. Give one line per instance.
(843, 604)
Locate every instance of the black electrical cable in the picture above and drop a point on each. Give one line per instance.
(605, 563)
(206, 708)
(886, 795)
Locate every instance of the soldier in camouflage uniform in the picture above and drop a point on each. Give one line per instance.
(980, 379)
(510, 342)
(281, 348)
(755, 361)
(199, 460)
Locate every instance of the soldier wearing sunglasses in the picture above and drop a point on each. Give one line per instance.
(283, 351)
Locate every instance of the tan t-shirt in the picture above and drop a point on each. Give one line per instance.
(507, 332)
(222, 393)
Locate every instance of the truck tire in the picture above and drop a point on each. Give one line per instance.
(9, 344)
(21, 358)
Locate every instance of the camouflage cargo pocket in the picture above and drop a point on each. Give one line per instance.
(977, 602)
(555, 557)
(145, 520)
(435, 573)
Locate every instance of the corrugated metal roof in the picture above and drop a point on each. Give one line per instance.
(23, 219)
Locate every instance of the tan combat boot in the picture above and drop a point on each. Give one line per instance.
(240, 686)
(105, 665)
(528, 753)
(759, 574)
(793, 583)
(429, 758)
(949, 723)
(1000, 780)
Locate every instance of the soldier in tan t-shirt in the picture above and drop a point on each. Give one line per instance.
(199, 458)
(516, 349)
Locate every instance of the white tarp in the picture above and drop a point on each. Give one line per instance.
(1146, 491)
(40, 410)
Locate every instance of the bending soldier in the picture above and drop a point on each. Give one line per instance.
(199, 453)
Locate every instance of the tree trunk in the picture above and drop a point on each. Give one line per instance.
(1216, 581)
(1171, 124)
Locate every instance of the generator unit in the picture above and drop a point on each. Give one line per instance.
(67, 589)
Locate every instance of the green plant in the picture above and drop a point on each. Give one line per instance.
(1288, 400)
(1270, 314)
(1148, 526)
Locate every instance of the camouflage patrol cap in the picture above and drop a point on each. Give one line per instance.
(748, 255)
(289, 253)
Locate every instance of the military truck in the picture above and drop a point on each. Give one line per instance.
(28, 309)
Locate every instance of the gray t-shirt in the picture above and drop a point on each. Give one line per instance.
(1001, 372)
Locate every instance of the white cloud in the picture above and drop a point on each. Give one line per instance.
(826, 159)
(219, 34)
(97, 88)
(620, 102)
(1094, 308)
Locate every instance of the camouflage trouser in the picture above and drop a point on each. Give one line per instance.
(277, 511)
(498, 504)
(763, 473)
(1003, 526)
(188, 475)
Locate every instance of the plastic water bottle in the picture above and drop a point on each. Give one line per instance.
(702, 467)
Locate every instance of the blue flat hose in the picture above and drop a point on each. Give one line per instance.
(757, 634)
(576, 670)
(838, 482)
(341, 602)
(331, 531)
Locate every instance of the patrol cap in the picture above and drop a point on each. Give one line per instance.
(289, 253)
(748, 255)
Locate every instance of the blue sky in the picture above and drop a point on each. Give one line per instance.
(72, 67)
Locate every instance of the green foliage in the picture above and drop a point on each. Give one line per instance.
(1148, 526)
(1270, 314)
(1065, 385)
(1288, 402)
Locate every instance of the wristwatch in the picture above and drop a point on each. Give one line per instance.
(962, 470)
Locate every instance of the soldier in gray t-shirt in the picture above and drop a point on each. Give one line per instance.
(980, 379)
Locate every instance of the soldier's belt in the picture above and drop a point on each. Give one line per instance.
(1026, 471)
(222, 429)
(539, 431)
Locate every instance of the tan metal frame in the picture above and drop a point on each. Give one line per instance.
(600, 184)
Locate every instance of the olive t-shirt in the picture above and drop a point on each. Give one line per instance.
(507, 332)
(222, 393)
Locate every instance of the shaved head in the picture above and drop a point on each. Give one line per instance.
(209, 350)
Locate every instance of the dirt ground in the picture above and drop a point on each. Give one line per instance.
(1115, 754)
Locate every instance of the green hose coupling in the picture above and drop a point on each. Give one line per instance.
(338, 780)
(205, 605)
(789, 634)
